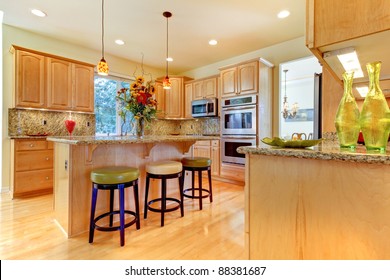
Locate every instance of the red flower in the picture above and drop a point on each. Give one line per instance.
(142, 98)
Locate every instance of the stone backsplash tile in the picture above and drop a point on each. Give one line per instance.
(199, 126)
(28, 122)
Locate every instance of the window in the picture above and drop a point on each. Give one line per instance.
(107, 119)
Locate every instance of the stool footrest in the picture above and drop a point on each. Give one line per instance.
(113, 228)
(196, 196)
(166, 210)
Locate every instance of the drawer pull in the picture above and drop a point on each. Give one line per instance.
(47, 158)
(47, 177)
(31, 145)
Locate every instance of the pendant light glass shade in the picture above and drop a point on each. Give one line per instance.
(166, 81)
(102, 67)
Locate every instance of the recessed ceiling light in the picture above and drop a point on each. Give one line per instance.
(38, 13)
(169, 59)
(213, 42)
(283, 14)
(119, 42)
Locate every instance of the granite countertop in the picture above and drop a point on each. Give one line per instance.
(85, 140)
(327, 150)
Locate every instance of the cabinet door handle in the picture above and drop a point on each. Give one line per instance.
(31, 145)
(47, 158)
(47, 177)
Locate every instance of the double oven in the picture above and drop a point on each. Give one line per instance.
(238, 126)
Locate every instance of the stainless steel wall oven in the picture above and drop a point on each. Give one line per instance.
(238, 126)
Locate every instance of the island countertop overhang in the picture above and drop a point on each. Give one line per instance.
(327, 150)
(95, 140)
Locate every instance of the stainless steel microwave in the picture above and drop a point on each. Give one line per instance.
(207, 107)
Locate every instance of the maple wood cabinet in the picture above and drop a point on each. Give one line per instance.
(51, 82)
(160, 98)
(205, 88)
(29, 80)
(33, 167)
(174, 98)
(209, 149)
(239, 79)
(188, 99)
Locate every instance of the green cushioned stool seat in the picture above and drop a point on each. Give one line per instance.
(113, 175)
(196, 161)
(197, 164)
(114, 178)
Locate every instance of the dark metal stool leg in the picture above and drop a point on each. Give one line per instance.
(181, 187)
(210, 185)
(146, 197)
(111, 206)
(122, 213)
(200, 189)
(135, 191)
(163, 199)
(93, 208)
(193, 182)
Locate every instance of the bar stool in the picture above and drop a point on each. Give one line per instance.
(198, 164)
(163, 170)
(114, 178)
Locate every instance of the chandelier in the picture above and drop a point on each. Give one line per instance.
(287, 113)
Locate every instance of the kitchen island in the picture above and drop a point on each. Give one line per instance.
(75, 157)
(316, 203)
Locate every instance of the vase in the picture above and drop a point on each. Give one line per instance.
(374, 121)
(139, 127)
(347, 116)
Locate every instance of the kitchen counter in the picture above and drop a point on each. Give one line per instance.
(319, 203)
(326, 150)
(75, 157)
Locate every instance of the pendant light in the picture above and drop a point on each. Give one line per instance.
(102, 67)
(166, 81)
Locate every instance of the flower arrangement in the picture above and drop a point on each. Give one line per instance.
(138, 100)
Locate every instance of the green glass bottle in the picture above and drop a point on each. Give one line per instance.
(374, 121)
(347, 116)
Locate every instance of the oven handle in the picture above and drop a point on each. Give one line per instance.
(237, 137)
(238, 108)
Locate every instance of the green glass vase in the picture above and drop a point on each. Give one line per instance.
(374, 121)
(347, 116)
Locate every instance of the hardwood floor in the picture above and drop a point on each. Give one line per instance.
(28, 231)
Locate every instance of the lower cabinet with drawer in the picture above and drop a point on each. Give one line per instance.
(33, 167)
(210, 149)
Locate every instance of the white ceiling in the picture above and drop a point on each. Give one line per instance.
(240, 26)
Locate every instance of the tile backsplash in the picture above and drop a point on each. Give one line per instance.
(188, 126)
(31, 122)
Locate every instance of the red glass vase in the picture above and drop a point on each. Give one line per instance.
(70, 124)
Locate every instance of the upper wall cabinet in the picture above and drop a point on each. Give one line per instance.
(69, 86)
(50, 82)
(239, 79)
(30, 80)
(333, 26)
(205, 88)
(174, 98)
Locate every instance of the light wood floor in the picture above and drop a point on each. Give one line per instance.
(28, 231)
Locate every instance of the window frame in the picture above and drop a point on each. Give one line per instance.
(119, 80)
